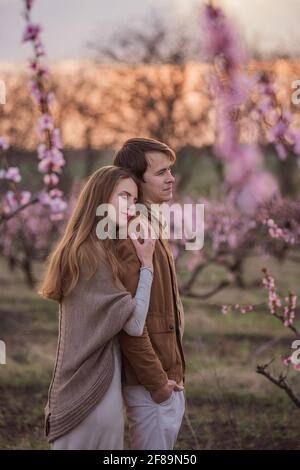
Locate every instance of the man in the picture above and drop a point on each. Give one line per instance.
(154, 363)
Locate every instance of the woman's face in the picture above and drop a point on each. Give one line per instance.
(123, 199)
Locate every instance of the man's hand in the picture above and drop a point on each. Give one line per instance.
(163, 393)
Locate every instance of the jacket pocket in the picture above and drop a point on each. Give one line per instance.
(162, 335)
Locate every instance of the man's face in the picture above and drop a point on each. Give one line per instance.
(158, 180)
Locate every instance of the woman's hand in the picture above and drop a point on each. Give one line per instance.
(144, 250)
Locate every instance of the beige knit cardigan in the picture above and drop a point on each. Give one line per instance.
(89, 318)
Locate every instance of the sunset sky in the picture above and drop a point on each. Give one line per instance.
(68, 24)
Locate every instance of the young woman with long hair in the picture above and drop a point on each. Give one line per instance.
(85, 407)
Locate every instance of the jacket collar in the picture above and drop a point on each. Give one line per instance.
(160, 226)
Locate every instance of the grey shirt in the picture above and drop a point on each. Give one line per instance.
(135, 325)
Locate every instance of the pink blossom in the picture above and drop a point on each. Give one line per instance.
(42, 151)
(40, 69)
(225, 309)
(55, 193)
(239, 308)
(289, 309)
(3, 144)
(264, 105)
(287, 360)
(11, 199)
(274, 302)
(276, 232)
(29, 4)
(51, 159)
(45, 165)
(294, 138)
(45, 122)
(280, 133)
(55, 138)
(50, 98)
(25, 197)
(57, 205)
(39, 48)
(260, 188)
(246, 309)
(34, 91)
(54, 160)
(297, 142)
(219, 36)
(31, 32)
(33, 65)
(57, 159)
(51, 179)
(11, 174)
(248, 157)
(44, 197)
(281, 150)
(57, 216)
(232, 88)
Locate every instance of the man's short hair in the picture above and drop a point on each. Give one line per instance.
(132, 154)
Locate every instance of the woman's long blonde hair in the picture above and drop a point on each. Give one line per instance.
(79, 245)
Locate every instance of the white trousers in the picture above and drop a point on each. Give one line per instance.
(153, 426)
(103, 428)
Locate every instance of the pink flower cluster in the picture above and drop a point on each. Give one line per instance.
(49, 150)
(54, 200)
(11, 174)
(289, 361)
(28, 233)
(3, 144)
(32, 31)
(287, 315)
(276, 232)
(237, 307)
(219, 39)
(280, 221)
(277, 119)
(226, 227)
(231, 88)
(289, 309)
(12, 198)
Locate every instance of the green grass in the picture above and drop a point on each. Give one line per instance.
(229, 405)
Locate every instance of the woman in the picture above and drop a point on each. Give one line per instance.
(85, 408)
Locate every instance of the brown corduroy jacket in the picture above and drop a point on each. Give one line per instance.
(157, 355)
